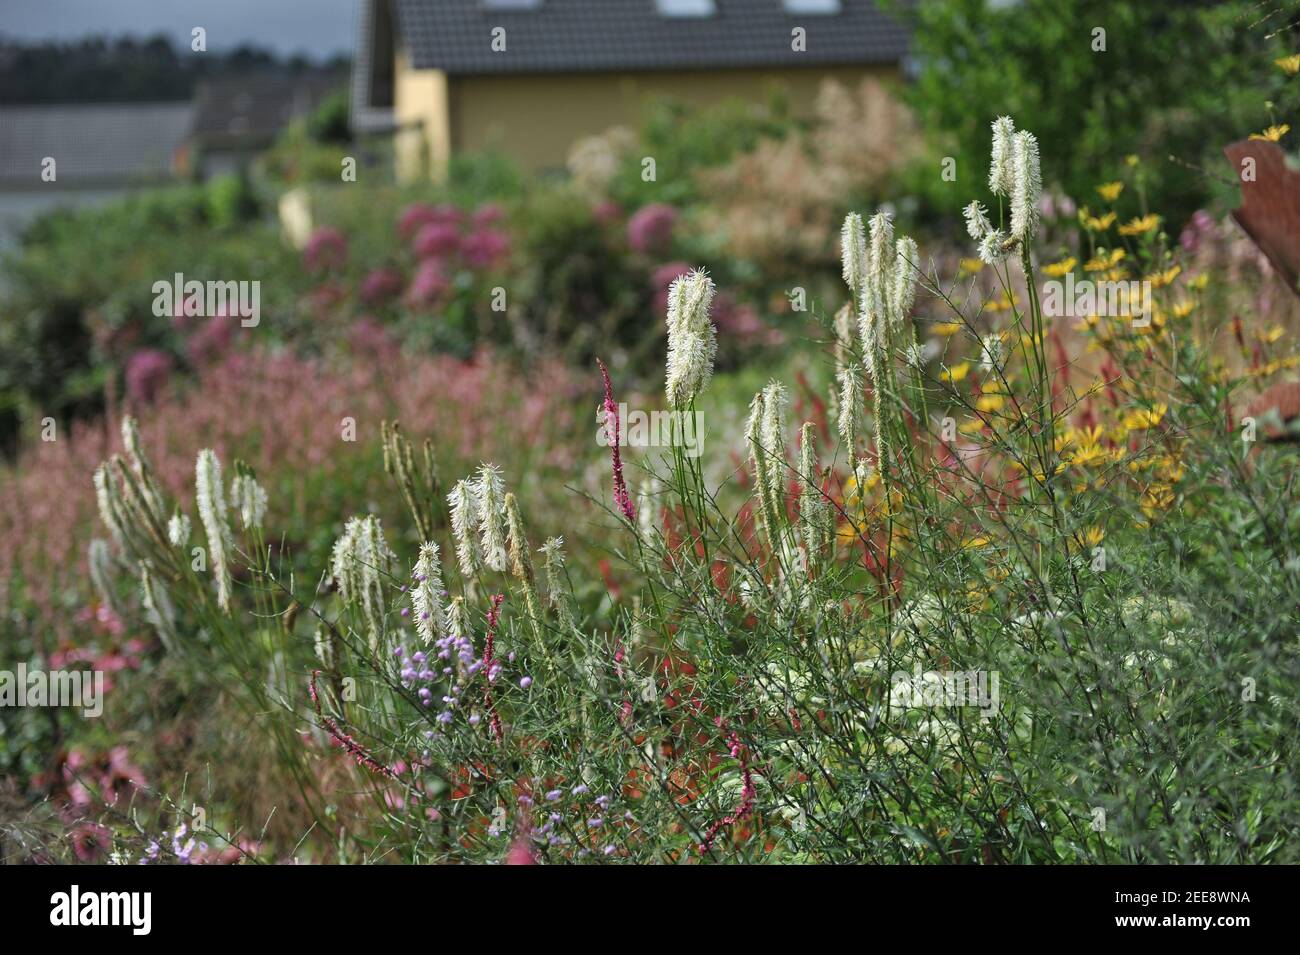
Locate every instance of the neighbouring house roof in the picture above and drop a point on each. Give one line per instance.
(611, 35)
(95, 145)
(250, 111)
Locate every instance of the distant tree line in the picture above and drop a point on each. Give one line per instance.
(128, 69)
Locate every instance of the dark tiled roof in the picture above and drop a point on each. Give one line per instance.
(253, 109)
(92, 145)
(582, 35)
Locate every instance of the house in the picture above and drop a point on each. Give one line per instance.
(530, 77)
(235, 118)
(75, 155)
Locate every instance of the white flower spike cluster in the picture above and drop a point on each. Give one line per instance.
(1014, 173)
(211, 500)
(361, 560)
(881, 274)
(692, 339)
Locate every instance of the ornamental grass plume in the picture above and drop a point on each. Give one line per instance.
(211, 500)
(427, 594)
(692, 339)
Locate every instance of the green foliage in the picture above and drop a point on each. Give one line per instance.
(1180, 80)
(684, 139)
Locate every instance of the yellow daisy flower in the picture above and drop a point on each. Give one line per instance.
(1273, 134)
(1063, 267)
(956, 372)
(1110, 190)
(1140, 226)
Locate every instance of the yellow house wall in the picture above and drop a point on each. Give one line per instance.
(536, 118)
(423, 142)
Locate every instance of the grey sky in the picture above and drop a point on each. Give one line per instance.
(317, 27)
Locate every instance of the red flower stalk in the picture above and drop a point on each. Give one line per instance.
(612, 430)
(359, 752)
(493, 615)
(748, 793)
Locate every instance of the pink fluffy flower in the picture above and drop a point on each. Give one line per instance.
(147, 372)
(437, 240)
(381, 285)
(650, 229)
(212, 341)
(485, 247)
(488, 214)
(415, 217)
(327, 249)
(429, 283)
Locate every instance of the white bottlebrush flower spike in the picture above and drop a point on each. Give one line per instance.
(428, 594)
(853, 254)
(991, 353)
(157, 606)
(1027, 187)
(977, 221)
(211, 498)
(140, 466)
(692, 339)
(775, 402)
(490, 513)
(178, 530)
(460, 505)
(1001, 178)
(249, 498)
(850, 404)
(109, 506)
(101, 575)
(361, 560)
(879, 282)
(903, 292)
(993, 247)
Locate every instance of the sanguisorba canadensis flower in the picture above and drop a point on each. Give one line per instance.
(1027, 187)
(460, 507)
(692, 339)
(853, 254)
(178, 529)
(977, 221)
(360, 562)
(211, 499)
(1001, 176)
(490, 512)
(428, 593)
(249, 498)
